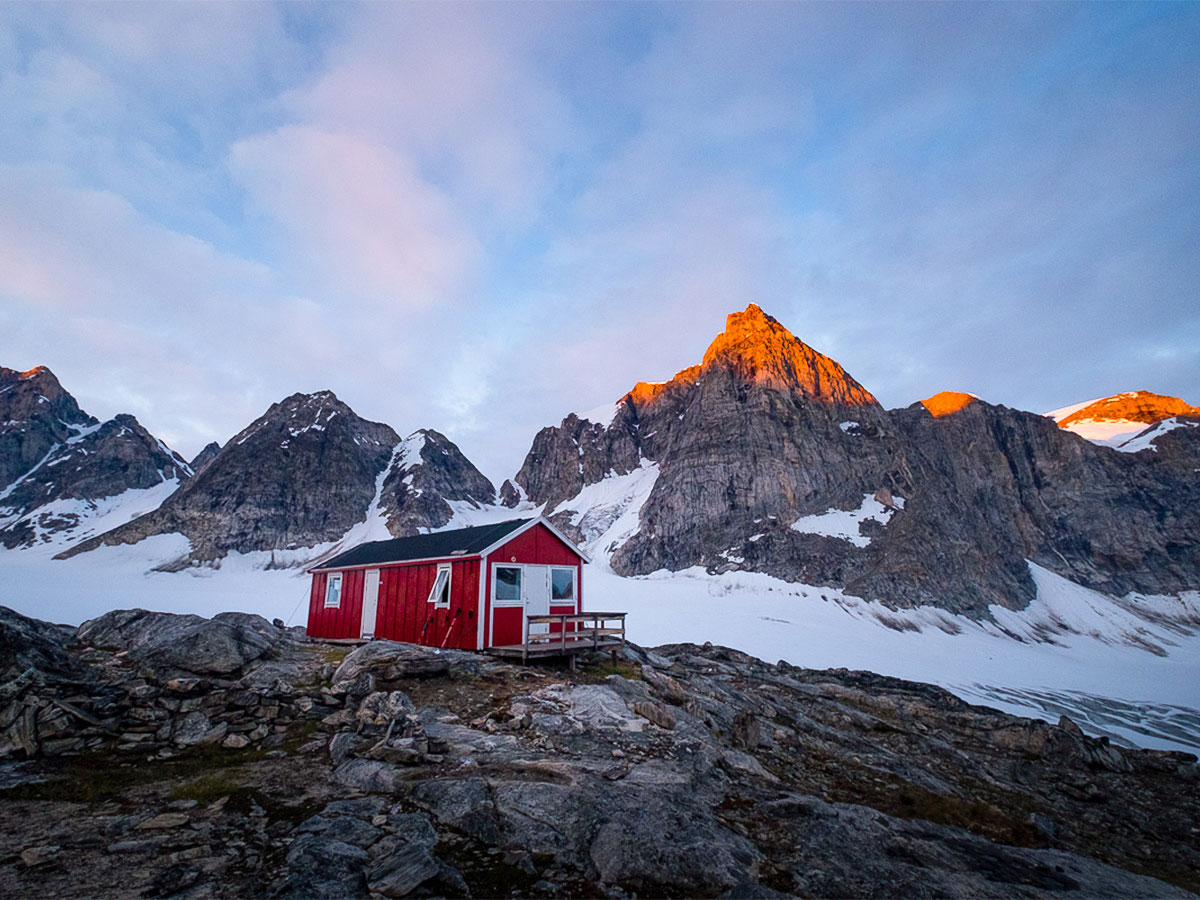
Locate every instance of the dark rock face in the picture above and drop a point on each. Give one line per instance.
(50, 450)
(429, 471)
(411, 772)
(35, 415)
(205, 456)
(510, 494)
(952, 496)
(991, 487)
(302, 473)
(31, 644)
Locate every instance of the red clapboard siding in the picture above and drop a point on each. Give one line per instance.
(343, 621)
(405, 613)
(509, 625)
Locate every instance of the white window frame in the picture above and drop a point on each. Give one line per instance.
(496, 601)
(329, 583)
(574, 601)
(433, 591)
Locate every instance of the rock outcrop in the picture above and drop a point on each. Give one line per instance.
(769, 457)
(205, 456)
(685, 770)
(221, 645)
(57, 463)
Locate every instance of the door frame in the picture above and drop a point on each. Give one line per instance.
(371, 602)
(525, 598)
(523, 603)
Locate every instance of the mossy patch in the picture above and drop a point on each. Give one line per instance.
(335, 655)
(592, 673)
(99, 776)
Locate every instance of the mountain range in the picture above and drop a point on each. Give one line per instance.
(767, 456)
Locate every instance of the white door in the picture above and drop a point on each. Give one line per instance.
(370, 602)
(536, 594)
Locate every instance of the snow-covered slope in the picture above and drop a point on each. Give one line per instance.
(57, 525)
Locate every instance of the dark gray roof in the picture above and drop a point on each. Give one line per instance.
(438, 544)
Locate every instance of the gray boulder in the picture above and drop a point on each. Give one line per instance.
(369, 775)
(221, 645)
(322, 867)
(392, 660)
(399, 873)
(32, 644)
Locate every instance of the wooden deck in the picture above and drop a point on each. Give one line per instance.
(589, 631)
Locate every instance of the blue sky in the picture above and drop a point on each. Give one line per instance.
(477, 218)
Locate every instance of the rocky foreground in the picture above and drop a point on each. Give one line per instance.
(154, 755)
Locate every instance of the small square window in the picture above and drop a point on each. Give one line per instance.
(562, 585)
(508, 584)
(333, 591)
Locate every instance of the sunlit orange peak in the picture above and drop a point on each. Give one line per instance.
(947, 402)
(36, 370)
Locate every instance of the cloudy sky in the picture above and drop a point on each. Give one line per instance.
(478, 218)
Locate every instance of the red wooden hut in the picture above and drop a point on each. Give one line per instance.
(470, 588)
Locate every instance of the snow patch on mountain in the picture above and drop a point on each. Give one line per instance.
(1108, 432)
(602, 415)
(411, 448)
(60, 523)
(607, 511)
(1063, 412)
(41, 462)
(844, 523)
(1151, 622)
(1145, 440)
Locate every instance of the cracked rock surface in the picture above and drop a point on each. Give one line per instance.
(400, 771)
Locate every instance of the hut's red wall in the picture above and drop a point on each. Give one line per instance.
(342, 621)
(405, 613)
(538, 546)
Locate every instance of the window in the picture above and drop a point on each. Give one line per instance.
(508, 584)
(440, 594)
(333, 591)
(562, 585)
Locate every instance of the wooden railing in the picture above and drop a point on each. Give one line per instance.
(591, 630)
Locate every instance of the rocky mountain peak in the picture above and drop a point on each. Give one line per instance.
(205, 456)
(427, 474)
(57, 463)
(37, 394)
(759, 349)
(300, 474)
(1131, 406)
(945, 403)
